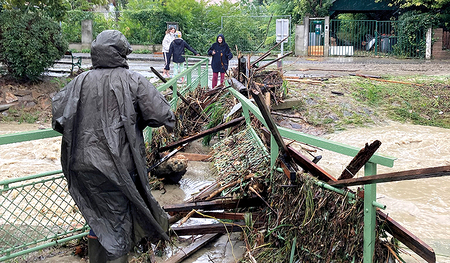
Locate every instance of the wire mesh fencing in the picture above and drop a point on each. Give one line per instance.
(37, 211)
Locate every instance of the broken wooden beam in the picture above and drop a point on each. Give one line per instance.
(360, 159)
(220, 127)
(260, 59)
(273, 61)
(198, 157)
(218, 215)
(214, 215)
(192, 248)
(386, 80)
(215, 204)
(271, 125)
(211, 228)
(395, 176)
(267, 52)
(407, 238)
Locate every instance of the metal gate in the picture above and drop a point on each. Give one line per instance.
(316, 37)
(365, 38)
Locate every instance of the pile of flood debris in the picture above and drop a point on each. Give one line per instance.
(287, 214)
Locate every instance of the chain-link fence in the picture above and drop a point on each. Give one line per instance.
(37, 212)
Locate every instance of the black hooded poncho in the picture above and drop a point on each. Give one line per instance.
(219, 61)
(101, 114)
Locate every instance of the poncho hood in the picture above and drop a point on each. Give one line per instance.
(223, 38)
(110, 50)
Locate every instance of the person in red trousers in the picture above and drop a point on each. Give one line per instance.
(221, 55)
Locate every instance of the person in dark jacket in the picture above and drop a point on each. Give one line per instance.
(221, 55)
(176, 53)
(101, 115)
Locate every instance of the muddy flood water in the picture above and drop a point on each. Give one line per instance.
(422, 206)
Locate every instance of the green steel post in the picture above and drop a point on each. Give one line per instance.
(189, 78)
(376, 38)
(274, 152)
(370, 194)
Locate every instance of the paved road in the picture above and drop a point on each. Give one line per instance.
(306, 67)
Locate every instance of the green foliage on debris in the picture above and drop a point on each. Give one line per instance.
(29, 43)
(312, 224)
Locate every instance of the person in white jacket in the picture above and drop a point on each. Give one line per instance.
(168, 38)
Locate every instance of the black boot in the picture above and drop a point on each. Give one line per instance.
(122, 259)
(96, 252)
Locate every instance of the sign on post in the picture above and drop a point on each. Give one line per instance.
(282, 31)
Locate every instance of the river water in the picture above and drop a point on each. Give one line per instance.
(422, 206)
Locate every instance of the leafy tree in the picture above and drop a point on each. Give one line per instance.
(52, 8)
(298, 9)
(86, 5)
(439, 8)
(411, 26)
(29, 43)
(425, 5)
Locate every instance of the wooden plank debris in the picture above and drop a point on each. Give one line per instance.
(215, 204)
(386, 80)
(360, 159)
(196, 156)
(192, 248)
(407, 238)
(273, 61)
(307, 81)
(211, 228)
(395, 176)
(268, 118)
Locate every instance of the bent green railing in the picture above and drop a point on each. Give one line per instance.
(196, 75)
(370, 203)
(37, 211)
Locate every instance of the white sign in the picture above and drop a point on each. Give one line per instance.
(282, 30)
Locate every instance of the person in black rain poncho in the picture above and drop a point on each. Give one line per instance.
(101, 114)
(221, 55)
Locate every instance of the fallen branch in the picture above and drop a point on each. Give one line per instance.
(386, 80)
(228, 186)
(223, 126)
(307, 81)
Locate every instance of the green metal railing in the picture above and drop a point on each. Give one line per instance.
(37, 211)
(370, 203)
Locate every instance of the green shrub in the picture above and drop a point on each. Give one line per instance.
(412, 28)
(29, 43)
